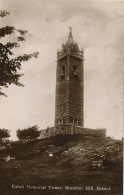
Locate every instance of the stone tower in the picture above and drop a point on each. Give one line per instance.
(69, 87)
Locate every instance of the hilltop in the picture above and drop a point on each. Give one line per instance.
(74, 162)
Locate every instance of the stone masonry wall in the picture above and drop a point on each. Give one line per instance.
(69, 129)
(76, 130)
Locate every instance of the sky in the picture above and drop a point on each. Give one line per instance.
(97, 27)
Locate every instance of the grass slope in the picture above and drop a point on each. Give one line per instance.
(70, 165)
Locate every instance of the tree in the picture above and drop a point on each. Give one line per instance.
(22, 134)
(28, 133)
(4, 133)
(9, 67)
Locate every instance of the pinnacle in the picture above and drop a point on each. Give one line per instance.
(70, 37)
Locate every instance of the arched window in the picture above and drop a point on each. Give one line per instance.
(61, 121)
(63, 69)
(74, 120)
(75, 71)
(74, 67)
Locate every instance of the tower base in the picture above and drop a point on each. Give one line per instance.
(70, 129)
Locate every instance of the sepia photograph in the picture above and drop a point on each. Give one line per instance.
(61, 97)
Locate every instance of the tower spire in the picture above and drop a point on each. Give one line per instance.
(70, 29)
(70, 37)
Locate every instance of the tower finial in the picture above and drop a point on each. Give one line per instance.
(70, 29)
(70, 36)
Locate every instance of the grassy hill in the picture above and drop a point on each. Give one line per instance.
(67, 167)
